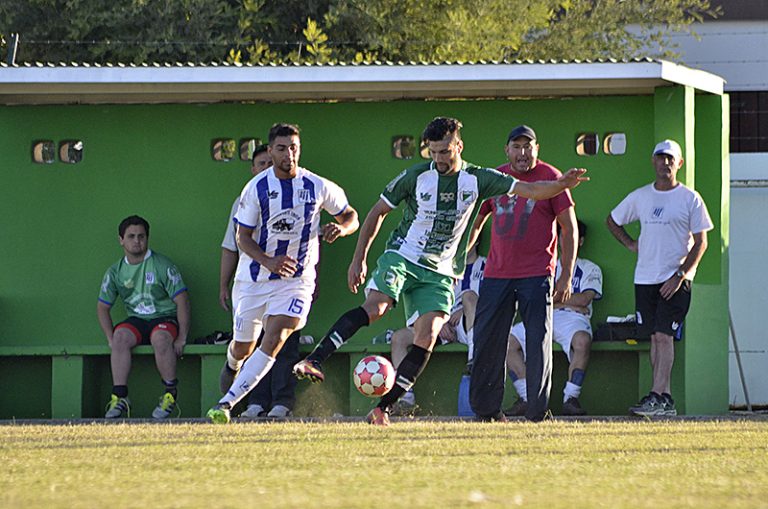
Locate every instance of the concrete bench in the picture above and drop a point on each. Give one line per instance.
(74, 381)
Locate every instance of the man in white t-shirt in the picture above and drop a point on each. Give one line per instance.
(673, 237)
(571, 330)
(278, 231)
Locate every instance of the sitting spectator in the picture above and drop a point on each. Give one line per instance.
(275, 394)
(571, 329)
(157, 304)
(459, 327)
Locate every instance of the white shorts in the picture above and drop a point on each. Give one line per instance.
(254, 302)
(566, 323)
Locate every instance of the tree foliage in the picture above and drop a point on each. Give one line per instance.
(322, 31)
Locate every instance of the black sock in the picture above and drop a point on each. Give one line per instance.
(121, 391)
(344, 328)
(170, 387)
(407, 372)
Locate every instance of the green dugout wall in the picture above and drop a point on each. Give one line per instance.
(59, 221)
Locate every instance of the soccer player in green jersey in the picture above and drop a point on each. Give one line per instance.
(157, 305)
(425, 252)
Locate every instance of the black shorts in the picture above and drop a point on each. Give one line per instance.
(655, 314)
(143, 329)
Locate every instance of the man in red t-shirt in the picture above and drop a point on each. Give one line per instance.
(518, 276)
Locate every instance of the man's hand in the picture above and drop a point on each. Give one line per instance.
(356, 275)
(282, 265)
(330, 232)
(455, 318)
(178, 345)
(448, 333)
(573, 177)
(224, 298)
(671, 286)
(562, 290)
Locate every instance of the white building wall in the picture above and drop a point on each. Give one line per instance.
(738, 51)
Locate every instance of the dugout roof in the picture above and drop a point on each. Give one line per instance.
(197, 83)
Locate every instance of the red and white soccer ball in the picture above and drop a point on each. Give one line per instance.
(374, 376)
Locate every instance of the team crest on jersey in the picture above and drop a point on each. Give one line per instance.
(149, 278)
(303, 195)
(468, 196)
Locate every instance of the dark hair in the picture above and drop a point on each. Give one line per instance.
(581, 226)
(280, 129)
(260, 149)
(440, 127)
(130, 221)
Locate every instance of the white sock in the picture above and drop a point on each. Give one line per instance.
(252, 371)
(233, 363)
(522, 388)
(571, 391)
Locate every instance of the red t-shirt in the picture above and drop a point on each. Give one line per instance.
(523, 231)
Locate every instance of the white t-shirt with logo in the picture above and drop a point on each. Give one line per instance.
(285, 217)
(668, 220)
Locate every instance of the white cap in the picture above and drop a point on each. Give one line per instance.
(670, 148)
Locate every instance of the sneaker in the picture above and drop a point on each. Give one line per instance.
(650, 406)
(669, 405)
(253, 411)
(571, 406)
(378, 417)
(499, 417)
(220, 414)
(166, 407)
(517, 409)
(310, 370)
(226, 378)
(279, 412)
(404, 408)
(117, 408)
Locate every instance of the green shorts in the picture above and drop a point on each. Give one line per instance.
(422, 290)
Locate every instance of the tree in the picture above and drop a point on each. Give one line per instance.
(321, 31)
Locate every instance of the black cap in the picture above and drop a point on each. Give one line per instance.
(522, 130)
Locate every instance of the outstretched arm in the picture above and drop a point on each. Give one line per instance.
(357, 268)
(545, 189)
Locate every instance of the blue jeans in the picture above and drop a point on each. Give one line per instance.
(499, 300)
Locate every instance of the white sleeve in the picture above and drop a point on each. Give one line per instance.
(248, 210)
(335, 200)
(626, 211)
(592, 279)
(229, 241)
(700, 220)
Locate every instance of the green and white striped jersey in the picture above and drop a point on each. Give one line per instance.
(438, 210)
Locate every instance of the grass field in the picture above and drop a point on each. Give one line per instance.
(612, 464)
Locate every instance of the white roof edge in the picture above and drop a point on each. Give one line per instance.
(386, 80)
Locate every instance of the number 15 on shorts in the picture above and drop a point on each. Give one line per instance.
(296, 306)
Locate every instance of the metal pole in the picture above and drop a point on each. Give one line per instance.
(13, 46)
(738, 360)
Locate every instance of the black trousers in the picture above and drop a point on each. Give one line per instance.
(499, 300)
(278, 387)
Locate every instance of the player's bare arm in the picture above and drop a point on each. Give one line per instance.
(371, 226)
(621, 234)
(568, 242)
(346, 224)
(545, 189)
(105, 320)
(477, 227)
(691, 261)
(282, 265)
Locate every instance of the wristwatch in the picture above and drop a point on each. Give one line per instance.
(680, 274)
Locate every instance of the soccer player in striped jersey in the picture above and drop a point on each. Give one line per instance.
(278, 225)
(425, 252)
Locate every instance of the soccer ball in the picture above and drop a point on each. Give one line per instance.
(374, 376)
